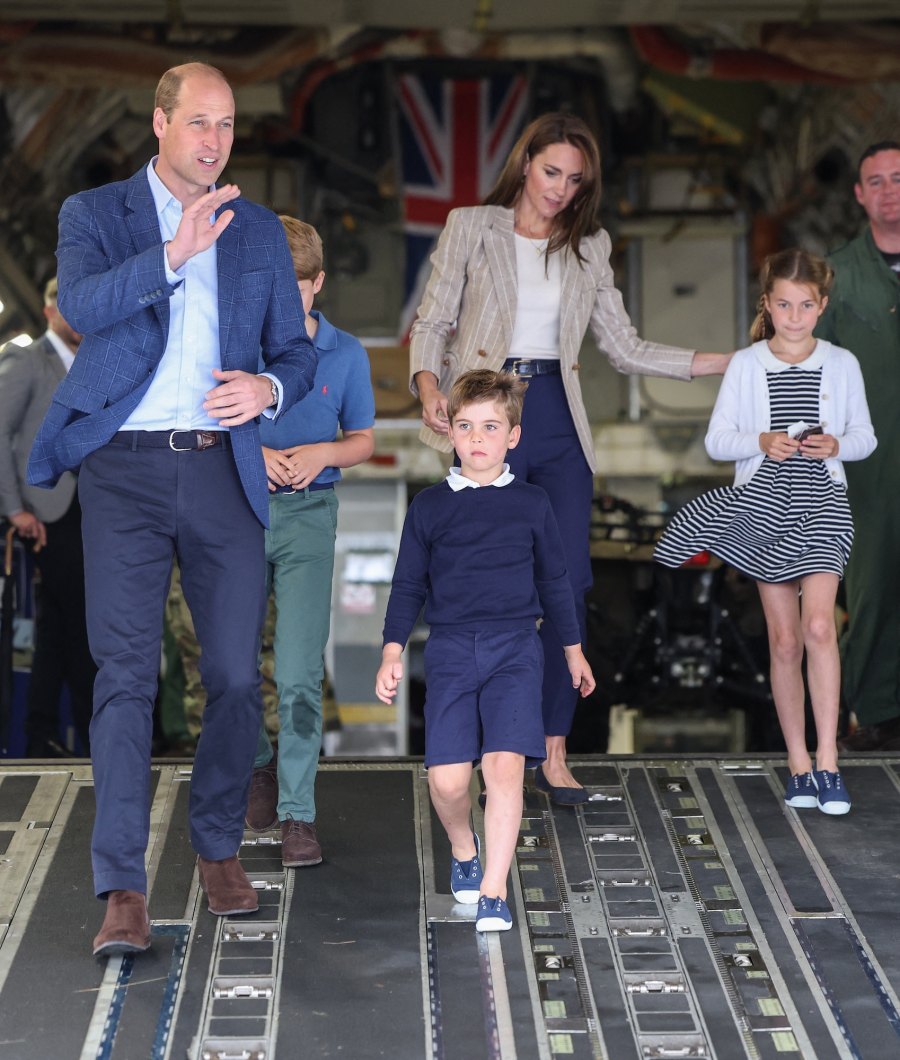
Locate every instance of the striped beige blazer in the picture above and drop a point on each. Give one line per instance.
(473, 287)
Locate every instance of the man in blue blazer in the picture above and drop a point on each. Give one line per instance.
(177, 286)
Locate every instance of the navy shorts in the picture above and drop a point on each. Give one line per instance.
(483, 693)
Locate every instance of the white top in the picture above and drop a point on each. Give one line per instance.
(65, 354)
(742, 410)
(457, 481)
(536, 330)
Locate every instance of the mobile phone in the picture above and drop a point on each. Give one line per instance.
(804, 434)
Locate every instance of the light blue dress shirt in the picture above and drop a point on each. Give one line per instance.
(174, 399)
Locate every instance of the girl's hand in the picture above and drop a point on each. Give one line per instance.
(777, 445)
(820, 446)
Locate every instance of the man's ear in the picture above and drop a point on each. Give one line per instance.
(159, 122)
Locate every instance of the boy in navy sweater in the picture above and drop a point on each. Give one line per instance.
(481, 550)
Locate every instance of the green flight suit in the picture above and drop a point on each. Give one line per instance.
(863, 316)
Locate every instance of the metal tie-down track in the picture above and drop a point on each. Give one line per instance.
(683, 912)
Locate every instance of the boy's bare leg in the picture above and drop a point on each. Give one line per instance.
(449, 787)
(503, 773)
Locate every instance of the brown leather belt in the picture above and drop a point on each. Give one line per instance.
(178, 441)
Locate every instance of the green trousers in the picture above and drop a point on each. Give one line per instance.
(300, 565)
(870, 649)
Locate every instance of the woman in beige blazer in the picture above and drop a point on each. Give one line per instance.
(515, 284)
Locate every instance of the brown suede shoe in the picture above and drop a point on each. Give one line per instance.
(885, 736)
(227, 889)
(299, 844)
(126, 925)
(262, 804)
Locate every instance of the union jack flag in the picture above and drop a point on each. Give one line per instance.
(454, 138)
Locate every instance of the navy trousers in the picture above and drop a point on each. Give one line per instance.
(141, 507)
(549, 454)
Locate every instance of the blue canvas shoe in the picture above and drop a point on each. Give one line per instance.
(493, 915)
(832, 795)
(801, 792)
(466, 877)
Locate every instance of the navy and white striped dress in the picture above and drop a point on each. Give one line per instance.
(791, 519)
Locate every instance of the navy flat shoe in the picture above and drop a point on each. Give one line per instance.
(562, 796)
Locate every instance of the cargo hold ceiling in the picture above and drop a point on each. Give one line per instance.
(479, 15)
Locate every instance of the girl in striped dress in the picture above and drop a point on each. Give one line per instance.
(790, 409)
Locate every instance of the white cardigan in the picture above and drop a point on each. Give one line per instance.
(742, 412)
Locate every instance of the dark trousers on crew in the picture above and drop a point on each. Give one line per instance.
(61, 653)
(142, 506)
(549, 454)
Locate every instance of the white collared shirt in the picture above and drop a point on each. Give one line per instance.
(179, 386)
(65, 354)
(176, 393)
(457, 481)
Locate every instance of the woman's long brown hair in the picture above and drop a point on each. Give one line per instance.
(582, 216)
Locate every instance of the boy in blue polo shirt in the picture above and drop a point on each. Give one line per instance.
(304, 455)
(482, 552)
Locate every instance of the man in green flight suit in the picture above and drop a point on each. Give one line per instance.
(863, 315)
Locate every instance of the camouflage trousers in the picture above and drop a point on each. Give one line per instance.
(182, 695)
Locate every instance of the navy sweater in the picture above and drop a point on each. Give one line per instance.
(487, 559)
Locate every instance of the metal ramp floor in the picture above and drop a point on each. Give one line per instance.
(684, 912)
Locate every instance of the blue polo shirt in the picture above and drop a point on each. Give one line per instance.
(341, 397)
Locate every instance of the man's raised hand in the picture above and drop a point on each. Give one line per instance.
(195, 232)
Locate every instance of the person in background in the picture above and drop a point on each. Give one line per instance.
(863, 314)
(481, 552)
(515, 284)
(791, 409)
(51, 520)
(330, 429)
(177, 285)
(182, 699)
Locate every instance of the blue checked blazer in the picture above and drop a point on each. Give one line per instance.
(113, 289)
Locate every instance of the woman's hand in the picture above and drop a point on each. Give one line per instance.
(434, 403)
(579, 670)
(777, 445)
(710, 364)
